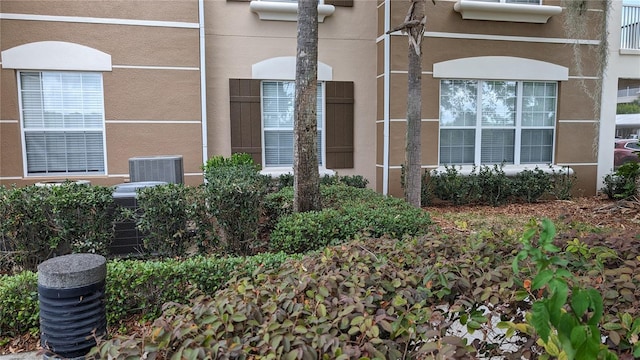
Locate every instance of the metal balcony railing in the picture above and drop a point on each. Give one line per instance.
(630, 34)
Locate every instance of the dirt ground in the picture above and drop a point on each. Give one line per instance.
(595, 220)
(619, 221)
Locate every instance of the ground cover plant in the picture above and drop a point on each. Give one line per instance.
(412, 290)
(420, 297)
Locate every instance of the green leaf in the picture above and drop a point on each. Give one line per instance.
(578, 336)
(540, 320)
(238, 317)
(596, 305)
(557, 300)
(579, 302)
(542, 279)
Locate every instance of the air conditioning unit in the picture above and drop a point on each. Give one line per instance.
(167, 168)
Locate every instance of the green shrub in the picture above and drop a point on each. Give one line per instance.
(389, 299)
(622, 184)
(451, 186)
(562, 183)
(302, 232)
(26, 230)
(235, 195)
(530, 185)
(83, 217)
(175, 218)
(357, 181)
(37, 222)
(237, 159)
(348, 212)
(133, 287)
(235, 192)
(494, 187)
(19, 312)
(491, 186)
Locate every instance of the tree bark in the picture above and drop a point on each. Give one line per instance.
(306, 178)
(414, 26)
(413, 153)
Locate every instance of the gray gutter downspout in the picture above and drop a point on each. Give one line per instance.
(203, 83)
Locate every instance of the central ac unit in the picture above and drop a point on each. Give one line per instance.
(167, 168)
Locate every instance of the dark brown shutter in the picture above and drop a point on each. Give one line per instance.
(339, 123)
(246, 123)
(346, 3)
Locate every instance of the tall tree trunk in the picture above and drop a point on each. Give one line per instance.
(413, 154)
(306, 178)
(414, 26)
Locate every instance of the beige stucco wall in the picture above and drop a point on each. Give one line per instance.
(346, 43)
(151, 96)
(450, 37)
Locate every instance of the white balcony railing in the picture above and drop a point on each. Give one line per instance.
(630, 34)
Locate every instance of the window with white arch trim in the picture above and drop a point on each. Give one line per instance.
(62, 118)
(497, 121)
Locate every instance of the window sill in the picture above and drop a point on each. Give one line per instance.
(629, 51)
(480, 10)
(277, 171)
(283, 11)
(509, 170)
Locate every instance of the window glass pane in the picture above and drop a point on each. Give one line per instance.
(497, 146)
(458, 99)
(278, 148)
(457, 146)
(498, 103)
(537, 146)
(539, 104)
(65, 104)
(278, 118)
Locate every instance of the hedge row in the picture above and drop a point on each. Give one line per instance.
(133, 287)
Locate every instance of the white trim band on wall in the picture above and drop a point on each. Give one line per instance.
(500, 68)
(94, 20)
(55, 55)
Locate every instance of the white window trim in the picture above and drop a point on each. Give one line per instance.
(26, 173)
(275, 171)
(500, 68)
(494, 11)
(286, 10)
(517, 127)
(55, 55)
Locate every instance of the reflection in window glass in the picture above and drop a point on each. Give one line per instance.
(63, 122)
(514, 124)
(277, 122)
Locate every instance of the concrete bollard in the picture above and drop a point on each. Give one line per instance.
(72, 304)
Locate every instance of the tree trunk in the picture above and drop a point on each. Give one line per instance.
(413, 154)
(414, 26)
(306, 178)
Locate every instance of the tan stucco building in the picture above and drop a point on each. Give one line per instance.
(88, 85)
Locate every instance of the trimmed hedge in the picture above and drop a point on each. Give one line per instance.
(37, 223)
(133, 287)
(348, 212)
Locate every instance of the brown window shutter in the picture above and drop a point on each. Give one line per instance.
(346, 3)
(339, 123)
(246, 120)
